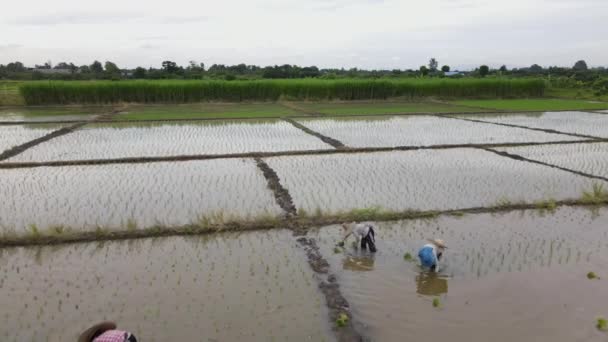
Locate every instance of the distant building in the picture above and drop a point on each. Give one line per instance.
(53, 71)
(453, 73)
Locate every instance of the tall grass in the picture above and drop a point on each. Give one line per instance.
(165, 91)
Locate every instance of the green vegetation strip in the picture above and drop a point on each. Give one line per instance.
(330, 141)
(303, 222)
(141, 160)
(534, 104)
(165, 91)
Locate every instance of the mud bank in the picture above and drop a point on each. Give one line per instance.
(281, 195)
(21, 148)
(336, 303)
(333, 142)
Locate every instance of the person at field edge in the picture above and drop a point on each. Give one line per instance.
(431, 253)
(106, 332)
(363, 232)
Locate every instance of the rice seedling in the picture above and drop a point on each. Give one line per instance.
(436, 302)
(342, 320)
(597, 195)
(592, 275)
(408, 257)
(602, 324)
(549, 204)
(34, 232)
(104, 92)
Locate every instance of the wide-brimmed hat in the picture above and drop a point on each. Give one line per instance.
(96, 330)
(438, 242)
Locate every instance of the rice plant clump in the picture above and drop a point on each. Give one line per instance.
(436, 302)
(408, 257)
(592, 275)
(602, 324)
(342, 320)
(597, 195)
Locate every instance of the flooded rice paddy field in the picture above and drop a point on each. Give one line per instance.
(421, 180)
(50, 113)
(568, 122)
(121, 140)
(14, 135)
(588, 158)
(518, 276)
(254, 286)
(422, 131)
(116, 196)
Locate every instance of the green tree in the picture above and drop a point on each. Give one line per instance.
(433, 64)
(484, 70)
(580, 65)
(503, 68)
(139, 73)
(112, 68)
(170, 67)
(424, 70)
(445, 68)
(96, 67)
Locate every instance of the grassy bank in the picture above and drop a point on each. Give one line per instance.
(533, 104)
(205, 110)
(101, 92)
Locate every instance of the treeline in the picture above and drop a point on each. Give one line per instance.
(195, 70)
(183, 91)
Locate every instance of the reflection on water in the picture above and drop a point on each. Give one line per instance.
(358, 263)
(431, 284)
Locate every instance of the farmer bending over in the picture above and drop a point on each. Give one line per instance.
(362, 232)
(106, 332)
(431, 253)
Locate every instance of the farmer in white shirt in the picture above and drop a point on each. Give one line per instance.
(363, 232)
(431, 253)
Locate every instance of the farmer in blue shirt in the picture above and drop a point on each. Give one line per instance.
(431, 253)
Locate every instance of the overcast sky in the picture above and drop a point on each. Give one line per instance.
(327, 33)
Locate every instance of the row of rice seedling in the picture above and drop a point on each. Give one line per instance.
(67, 92)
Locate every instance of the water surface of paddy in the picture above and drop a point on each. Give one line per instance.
(103, 141)
(14, 135)
(569, 122)
(588, 158)
(421, 130)
(519, 276)
(85, 197)
(422, 180)
(253, 286)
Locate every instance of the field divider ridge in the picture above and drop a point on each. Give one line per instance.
(299, 224)
(182, 158)
(330, 141)
(281, 194)
(545, 130)
(328, 284)
(54, 134)
(534, 161)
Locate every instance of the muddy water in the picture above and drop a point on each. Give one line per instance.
(519, 276)
(250, 287)
(568, 122)
(588, 158)
(422, 131)
(118, 196)
(103, 141)
(15, 135)
(423, 180)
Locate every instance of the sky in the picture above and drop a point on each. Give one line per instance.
(369, 34)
